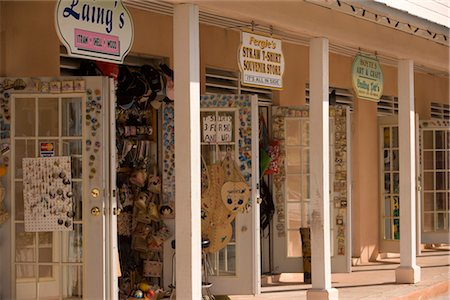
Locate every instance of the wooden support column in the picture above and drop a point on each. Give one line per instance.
(319, 175)
(187, 151)
(408, 272)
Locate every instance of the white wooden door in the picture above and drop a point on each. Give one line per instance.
(235, 269)
(435, 174)
(389, 184)
(291, 191)
(61, 117)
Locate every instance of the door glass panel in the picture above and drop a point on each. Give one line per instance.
(207, 123)
(26, 109)
(49, 286)
(386, 137)
(23, 148)
(428, 160)
(293, 132)
(25, 244)
(19, 201)
(440, 201)
(293, 160)
(387, 159)
(440, 160)
(429, 180)
(77, 167)
(440, 224)
(428, 201)
(305, 133)
(223, 149)
(395, 137)
(45, 247)
(395, 160)
(72, 244)
(71, 117)
(48, 116)
(428, 140)
(387, 183)
(26, 271)
(293, 216)
(387, 206)
(305, 187)
(293, 186)
(428, 222)
(77, 204)
(440, 180)
(306, 213)
(225, 126)
(305, 161)
(439, 139)
(73, 279)
(294, 246)
(46, 272)
(396, 183)
(72, 147)
(388, 234)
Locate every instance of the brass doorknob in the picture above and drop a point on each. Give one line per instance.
(95, 211)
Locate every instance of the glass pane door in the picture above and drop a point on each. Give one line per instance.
(436, 184)
(47, 265)
(219, 132)
(390, 183)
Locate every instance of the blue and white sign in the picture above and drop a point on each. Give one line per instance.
(95, 29)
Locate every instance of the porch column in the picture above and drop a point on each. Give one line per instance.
(319, 175)
(408, 272)
(187, 151)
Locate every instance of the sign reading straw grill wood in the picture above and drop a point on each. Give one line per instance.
(367, 77)
(261, 61)
(100, 30)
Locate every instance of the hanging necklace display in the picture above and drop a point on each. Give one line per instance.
(48, 194)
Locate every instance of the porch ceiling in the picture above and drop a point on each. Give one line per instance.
(298, 20)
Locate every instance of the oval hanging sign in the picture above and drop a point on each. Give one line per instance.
(367, 77)
(99, 30)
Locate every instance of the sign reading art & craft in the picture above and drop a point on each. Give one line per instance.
(261, 61)
(367, 77)
(99, 30)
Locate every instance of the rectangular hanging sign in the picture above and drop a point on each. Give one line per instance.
(261, 61)
(98, 30)
(367, 77)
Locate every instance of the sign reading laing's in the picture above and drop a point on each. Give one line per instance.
(100, 30)
(261, 61)
(367, 77)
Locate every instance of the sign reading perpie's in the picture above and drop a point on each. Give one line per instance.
(367, 77)
(261, 61)
(99, 30)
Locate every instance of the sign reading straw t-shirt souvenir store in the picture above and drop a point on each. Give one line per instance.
(367, 77)
(100, 30)
(261, 61)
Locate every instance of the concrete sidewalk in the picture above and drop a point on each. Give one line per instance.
(372, 281)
